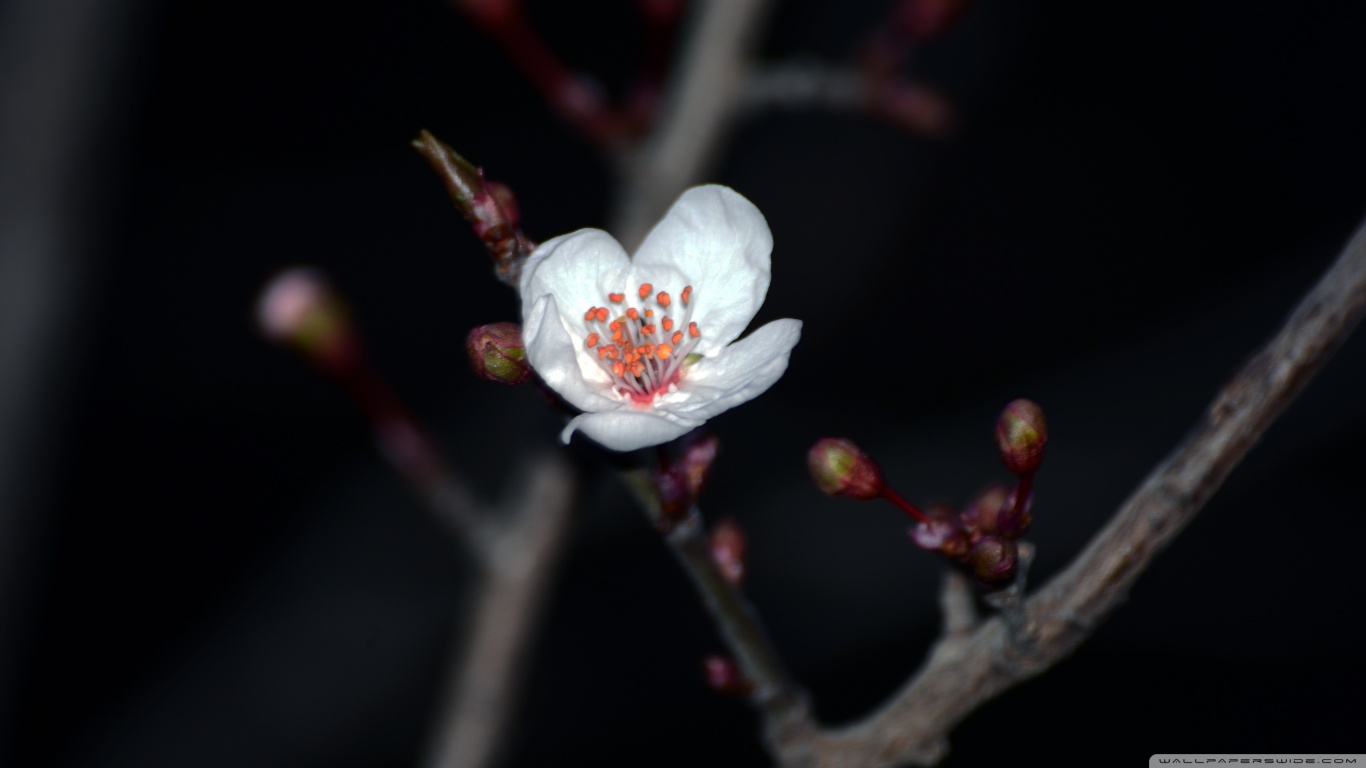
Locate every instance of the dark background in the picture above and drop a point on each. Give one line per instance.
(219, 570)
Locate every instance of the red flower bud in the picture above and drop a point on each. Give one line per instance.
(723, 675)
(993, 561)
(695, 462)
(1021, 434)
(497, 354)
(728, 550)
(839, 468)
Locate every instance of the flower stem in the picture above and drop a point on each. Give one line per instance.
(774, 691)
(906, 506)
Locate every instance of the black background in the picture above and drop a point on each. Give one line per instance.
(225, 573)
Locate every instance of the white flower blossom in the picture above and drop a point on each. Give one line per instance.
(643, 346)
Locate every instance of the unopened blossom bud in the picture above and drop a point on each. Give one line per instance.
(491, 13)
(728, 550)
(497, 353)
(941, 532)
(993, 561)
(723, 675)
(839, 468)
(922, 19)
(300, 309)
(696, 460)
(1015, 516)
(674, 499)
(1021, 435)
(979, 517)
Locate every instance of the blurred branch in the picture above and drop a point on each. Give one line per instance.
(966, 670)
(700, 103)
(517, 558)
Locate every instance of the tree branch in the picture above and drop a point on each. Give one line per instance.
(964, 671)
(518, 555)
(699, 105)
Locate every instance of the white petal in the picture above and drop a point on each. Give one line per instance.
(741, 372)
(579, 268)
(554, 357)
(627, 429)
(719, 243)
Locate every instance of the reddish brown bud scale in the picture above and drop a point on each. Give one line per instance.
(698, 456)
(674, 499)
(839, 468)
(993, 561)
(728, 550)
(1021, 434)
(497, 353)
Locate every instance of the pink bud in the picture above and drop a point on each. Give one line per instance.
(497, 353)
(728, 550)
(940, 533)
(695, 462)
(299, 308)
(724, 676)
(839, 468)
(1021, 434)
(674, 499)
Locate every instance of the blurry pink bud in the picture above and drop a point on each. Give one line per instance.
(728, 550)
(674, 499)
(921, 19)
(497, 353)
(980, 516)
(993, 562)
(724, 676)
(915, 107)
(839, 468)
(300, 309)
(1014, 517)
(661, 11)
(698, 455)
(491, 13)
(940, 533)
(1021, 434)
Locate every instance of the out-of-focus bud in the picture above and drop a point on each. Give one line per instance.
(1015, 516)
(300, 309)
(839, 468)
(979, 517)
(491, 13)
(696, 459)
(662, 11)
(728, 550)
(1021, 434)
(921, 19)
(941, 533)
(497, 353)
(915, 107)
(993, 561)
(723, 675)
(674, 499)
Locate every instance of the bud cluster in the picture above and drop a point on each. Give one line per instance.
(682, 475)
(982, 536)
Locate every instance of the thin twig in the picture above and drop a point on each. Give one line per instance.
(699, 105)
(963, 672)
(517, 559)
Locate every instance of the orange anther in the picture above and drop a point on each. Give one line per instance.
(602, 314)
(637, 369)
(663, 351)
(604, 350)
(619, 368)
(647, 329)
(617, 336)
(668, 324)
(616, 298)
(687, 293)
(645, 289)
(663, 299)
(649, 313)
(590, 314)
(591, 341)
(633, 313)
(647, 350)
(678, 336)
(692, 330)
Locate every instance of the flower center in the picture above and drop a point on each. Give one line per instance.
(640, 345)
